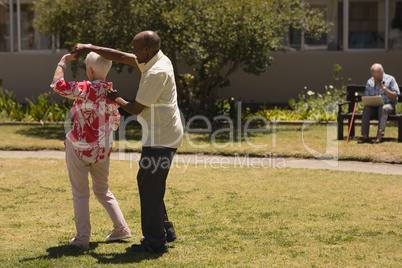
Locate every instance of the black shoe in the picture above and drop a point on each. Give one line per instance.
(171, 237)
(145, 248)
(363, 140)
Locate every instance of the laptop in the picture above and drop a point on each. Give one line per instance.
(372, 100)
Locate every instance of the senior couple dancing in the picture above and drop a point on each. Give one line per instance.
(89, 143)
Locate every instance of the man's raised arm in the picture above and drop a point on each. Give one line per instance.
(107, 53)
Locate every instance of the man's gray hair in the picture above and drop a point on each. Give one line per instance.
(377, 67)
(100, 65)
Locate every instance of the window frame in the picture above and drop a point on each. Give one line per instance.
(17, 47)
(344, 42)
(345, 45)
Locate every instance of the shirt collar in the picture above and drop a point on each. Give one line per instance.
(146, 66)
(96, 81)
(384, 77)
(372, 82)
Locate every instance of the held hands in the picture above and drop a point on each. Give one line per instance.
(81, 49)
(67, 57)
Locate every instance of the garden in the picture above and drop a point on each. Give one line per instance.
(224, 217)
(231, 216)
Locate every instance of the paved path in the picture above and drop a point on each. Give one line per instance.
(215, 161)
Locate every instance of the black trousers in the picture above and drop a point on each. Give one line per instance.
(154, 168)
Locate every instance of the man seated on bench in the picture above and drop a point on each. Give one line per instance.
(381, 84)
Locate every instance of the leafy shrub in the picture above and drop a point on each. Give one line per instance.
(43, 109)
(277, 114)
(10, 109)
(310, 105)
(398, 108)
(47, 110)
(40, 110)
(229, 107)
(318, 107)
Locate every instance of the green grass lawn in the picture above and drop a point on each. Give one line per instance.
(282, 140)
(227, 217)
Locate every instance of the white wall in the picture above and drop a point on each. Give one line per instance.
(30, 74)
(314, 70)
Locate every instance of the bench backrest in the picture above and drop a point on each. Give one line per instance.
(359, 89)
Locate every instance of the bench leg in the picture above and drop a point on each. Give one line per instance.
(340, 127)
(400, 129)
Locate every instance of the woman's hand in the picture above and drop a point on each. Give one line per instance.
(68, 57)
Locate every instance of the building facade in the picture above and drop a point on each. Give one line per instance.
(363, 32)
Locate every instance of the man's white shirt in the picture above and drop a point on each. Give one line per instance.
(160, 119)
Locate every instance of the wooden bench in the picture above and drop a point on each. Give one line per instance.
(354, 93)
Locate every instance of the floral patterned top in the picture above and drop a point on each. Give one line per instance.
(95, 118)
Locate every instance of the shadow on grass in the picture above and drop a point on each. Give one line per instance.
(126, 257)
(45, 132)
(59, 132)
(129, 133)
(68, 250)
(372, 139)
(134, 132)
(222, 135)
(65, 250)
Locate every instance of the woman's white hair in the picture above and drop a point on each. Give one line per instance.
(100, 65)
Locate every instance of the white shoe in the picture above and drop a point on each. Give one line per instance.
(117, 235)
(76, 241)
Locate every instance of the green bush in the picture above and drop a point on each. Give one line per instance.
(398, 108)
(47, 110)
(40, 110)
(310, 105)
(10, 109)
(229, 107)
(277, 114)
(318, 107)
(43, 109)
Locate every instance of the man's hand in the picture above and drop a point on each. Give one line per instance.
(108, 53)
(132, 108)
(81, 49)
(390, 94)
(112, 94)
(379, 84)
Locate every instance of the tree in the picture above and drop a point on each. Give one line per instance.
(215, 38)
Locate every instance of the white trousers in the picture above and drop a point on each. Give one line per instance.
(78, 172)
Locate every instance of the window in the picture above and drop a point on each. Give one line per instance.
(357, 25)
(322, 42)
(395, 22)
(4, 26)
(366, 24)
(17, 30)
(294, 40)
